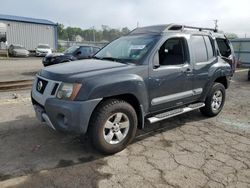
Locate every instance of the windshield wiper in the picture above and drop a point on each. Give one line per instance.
(113, 59)
(110, 59)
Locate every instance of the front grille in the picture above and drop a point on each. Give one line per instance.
(41, 85)
(34, 102)
(54, 89)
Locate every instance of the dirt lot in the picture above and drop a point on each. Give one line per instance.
(19, 68)
(185, 151)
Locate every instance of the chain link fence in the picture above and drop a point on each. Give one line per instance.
(63, 45)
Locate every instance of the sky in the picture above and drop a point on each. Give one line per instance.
(233, 16)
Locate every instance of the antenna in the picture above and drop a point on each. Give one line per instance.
(216, 25)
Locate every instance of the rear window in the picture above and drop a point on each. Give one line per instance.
(210, 50)
(224, 47)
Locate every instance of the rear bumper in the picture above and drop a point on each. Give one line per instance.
(229, 78)
(67, 116)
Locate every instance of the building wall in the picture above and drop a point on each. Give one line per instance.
(242, 50)
(30, 35)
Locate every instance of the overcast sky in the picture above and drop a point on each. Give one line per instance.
(233, 16)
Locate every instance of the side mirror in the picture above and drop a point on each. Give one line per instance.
(156, 62)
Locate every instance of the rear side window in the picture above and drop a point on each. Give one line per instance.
(199, 49)
(210, 50)
(224, 47)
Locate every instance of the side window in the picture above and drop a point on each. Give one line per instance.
(95, 50)
(210, 49)
(199, 49)
(85, 51)
(224, 47)
(173, 52)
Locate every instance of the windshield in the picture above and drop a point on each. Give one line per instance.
(43, 46)
(19, 47)
(128, 48)
(71, 50)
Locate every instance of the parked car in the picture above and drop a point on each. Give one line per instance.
(17, 50)
(249, 74)
(151, 74)
(43, 50)
(71, 54)
(226, 50)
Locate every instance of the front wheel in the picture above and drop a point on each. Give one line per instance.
(215, 100)
(113, 126)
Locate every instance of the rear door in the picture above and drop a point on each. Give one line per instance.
(203, 51)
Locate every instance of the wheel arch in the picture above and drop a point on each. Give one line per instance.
(223, 80)
(133, 101)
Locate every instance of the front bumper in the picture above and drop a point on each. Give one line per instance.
(41, 53)
(67, 116)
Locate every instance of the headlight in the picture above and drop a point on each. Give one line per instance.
(68, 91)
(52, 59)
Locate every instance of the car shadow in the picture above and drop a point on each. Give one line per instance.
(28, 147)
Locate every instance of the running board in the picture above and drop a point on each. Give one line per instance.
(176, 112)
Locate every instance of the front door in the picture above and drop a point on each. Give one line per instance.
(170, 82)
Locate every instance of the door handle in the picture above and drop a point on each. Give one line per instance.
(188, 71)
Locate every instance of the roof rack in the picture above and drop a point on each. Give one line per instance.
(182, 27)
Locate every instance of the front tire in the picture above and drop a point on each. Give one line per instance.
(215, 100)
(113, 126)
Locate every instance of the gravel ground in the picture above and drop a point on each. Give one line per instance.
(19, 68)
(186, 151)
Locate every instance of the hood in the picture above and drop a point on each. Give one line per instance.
(76, 70)
(21, 51)
(54, 55)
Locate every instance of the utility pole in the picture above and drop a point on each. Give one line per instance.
(216, 24)
(93, 33)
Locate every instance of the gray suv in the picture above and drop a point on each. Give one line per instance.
(151, 74)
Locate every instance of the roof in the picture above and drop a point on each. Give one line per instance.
(156, 29)
(159, 29)
(26, 19)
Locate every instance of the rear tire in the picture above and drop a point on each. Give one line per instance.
(215, 100)
(113, 126)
